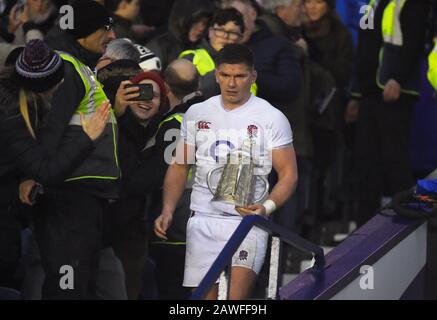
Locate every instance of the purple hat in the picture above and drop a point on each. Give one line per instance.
(38, 68)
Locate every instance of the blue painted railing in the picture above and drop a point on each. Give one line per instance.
(248, 222)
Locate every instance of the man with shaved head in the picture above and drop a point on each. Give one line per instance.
(182, 83)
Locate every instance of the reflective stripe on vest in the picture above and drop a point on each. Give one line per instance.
(204, 64)
(94, 94)
(93, 99)
(381, 86)
(393, 41)
(391, 26)
(177, 116)
(176, 243)
(432, 69)
(254, 89)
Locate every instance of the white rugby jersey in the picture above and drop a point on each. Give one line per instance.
(216, 131)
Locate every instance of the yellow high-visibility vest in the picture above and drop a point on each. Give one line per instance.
(393, 39)
(105, 151)
(391, 25)
(432, 66)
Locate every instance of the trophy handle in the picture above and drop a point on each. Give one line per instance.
(266, 189)
(208, 178)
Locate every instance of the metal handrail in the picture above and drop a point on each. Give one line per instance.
(248, 222)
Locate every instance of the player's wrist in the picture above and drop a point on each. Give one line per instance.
(270, 207)
(167, 212)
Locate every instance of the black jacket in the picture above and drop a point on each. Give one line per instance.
(330, 45)
(23, 156)
(58, 132)
(62, 41)
(129, 211)
(277, 66)
(279, 27)
(135, 156)
(169, 45)
(413, 19)
(298, 111)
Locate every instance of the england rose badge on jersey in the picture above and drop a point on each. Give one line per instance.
(252, 131)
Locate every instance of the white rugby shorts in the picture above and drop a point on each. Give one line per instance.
(207, 236)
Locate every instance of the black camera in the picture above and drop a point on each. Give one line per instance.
(145, 90)
(36, 191)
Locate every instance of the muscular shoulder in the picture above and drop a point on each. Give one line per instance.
(205, 107)
(265, 109)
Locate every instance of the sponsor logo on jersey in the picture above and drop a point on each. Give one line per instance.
(203, 125)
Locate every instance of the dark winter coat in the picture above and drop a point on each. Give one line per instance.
(277, 66)
(330, 45)
(169, 45)
(58, 132)
(62, 41)
(128, 213)
(297, 111)
(24, 156)
(413, 20)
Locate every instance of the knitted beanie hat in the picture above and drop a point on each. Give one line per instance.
(13, 56)
(38, 68)
(148, 60)
(89, 16)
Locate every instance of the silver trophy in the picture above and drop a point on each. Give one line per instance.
(237, 181)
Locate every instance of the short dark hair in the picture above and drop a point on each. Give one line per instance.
(223, 16)
(180, 87)
(235, 54)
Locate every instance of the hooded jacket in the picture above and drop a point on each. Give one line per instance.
(184, 13)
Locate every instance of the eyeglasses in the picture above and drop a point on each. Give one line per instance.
(221, 33)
